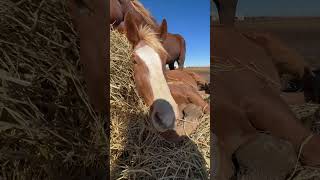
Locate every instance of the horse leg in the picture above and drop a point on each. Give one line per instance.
(195, 98)
(181, 63)
(273, 115)
(223, 167)
(232, 129)
(171, 66)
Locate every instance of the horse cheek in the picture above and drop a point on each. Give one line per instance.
(142, 85)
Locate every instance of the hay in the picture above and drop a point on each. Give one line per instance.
(308, 114)
(47, 127)
(136, 149)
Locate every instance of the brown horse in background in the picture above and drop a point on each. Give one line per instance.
(247, 100)
(173, 43)
(176, 48)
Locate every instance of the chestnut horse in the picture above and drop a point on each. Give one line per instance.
(166, 106)
(176, 48)
(247, 100)
(150, 82)
(173, 43)
(185, 87)
(187, 77)
(286, 60)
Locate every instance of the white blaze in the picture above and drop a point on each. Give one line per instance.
(157, 80)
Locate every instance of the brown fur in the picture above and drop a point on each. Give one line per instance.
(286, 60)
(246, 103)
(176, 48)
(190, 78)
(173, 43)
(186, 94)
(139, 36)
(93, 51)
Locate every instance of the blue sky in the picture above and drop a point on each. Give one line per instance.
(278, 8)
(191, 19)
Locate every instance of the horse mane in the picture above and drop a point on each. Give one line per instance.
(150, 37)
(144, 13)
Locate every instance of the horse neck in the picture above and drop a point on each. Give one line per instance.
(142, 20)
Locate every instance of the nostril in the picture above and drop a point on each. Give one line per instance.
(163, 121)
(157, 118)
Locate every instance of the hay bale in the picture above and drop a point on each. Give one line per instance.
(137, 150)
(47, 127)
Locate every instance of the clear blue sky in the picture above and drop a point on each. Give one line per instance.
(278, 8)
(191, 19)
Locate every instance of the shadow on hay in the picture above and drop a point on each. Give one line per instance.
(147, 155)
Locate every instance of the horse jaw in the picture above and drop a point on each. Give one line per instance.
(164, 109)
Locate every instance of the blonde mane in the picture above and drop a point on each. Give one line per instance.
(149, 36)
(144, 13)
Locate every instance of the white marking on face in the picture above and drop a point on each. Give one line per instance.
(159, 86)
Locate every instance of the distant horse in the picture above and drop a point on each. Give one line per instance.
(173, 43)
(247, 100)
(93, 51)
(176, 48)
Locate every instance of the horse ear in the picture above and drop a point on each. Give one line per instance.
(131, 28)
(163, 30)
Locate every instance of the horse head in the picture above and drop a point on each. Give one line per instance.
(148, 56)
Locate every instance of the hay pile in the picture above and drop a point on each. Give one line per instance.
(47, 128)
(309, 116)
(136, 149)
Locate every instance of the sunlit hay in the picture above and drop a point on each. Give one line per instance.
(136, 149)
(48, 129)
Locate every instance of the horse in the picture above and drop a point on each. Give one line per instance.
(288, 61)
(173, 43)
(247, 101)
(185, 87)
(149, 56)
(93, 51)
(187, 77)
(176, 48)
(119, 8)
